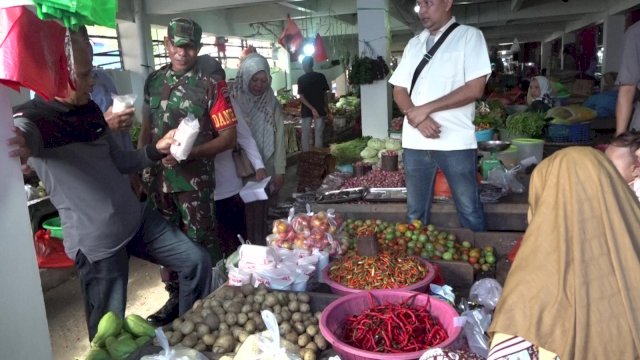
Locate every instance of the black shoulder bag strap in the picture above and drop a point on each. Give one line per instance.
(427, 57)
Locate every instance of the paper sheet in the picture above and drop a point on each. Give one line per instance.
(255, 190)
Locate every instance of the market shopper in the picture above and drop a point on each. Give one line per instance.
(230, 209)
(629, 82)
(572, 289)
(313, 90)
(254, 102)
(439, 109)
(69, 145)
(183, 192)
(539, 96)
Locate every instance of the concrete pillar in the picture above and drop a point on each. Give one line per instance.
(23, 316)
(137, 55)
(545, 56)
(374, 30)
(613, 42)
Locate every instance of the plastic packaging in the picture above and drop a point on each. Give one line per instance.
(175, 353)
(506, 179)
(122, 102)
(186, 136)
(267, 345)
(486, 292)
(475, 327)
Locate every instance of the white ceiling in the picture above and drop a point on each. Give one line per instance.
(500, 20)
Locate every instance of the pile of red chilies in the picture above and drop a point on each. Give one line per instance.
(394, 328)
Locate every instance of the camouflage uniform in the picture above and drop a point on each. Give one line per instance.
(184, 194)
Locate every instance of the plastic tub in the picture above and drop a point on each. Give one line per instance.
(54, 226)
(334, 315)
(528, 148)
(509, 157)
(484, 135)
(420, 286)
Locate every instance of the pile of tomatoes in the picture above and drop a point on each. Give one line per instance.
(423, 240)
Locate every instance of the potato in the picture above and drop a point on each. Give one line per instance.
(187, 327)
(176, 324)
(235, 330)
(304, 308)
(270, 300)
(312, 330)
(296, 317)
(299, 328)
(223, 326)
(197, 305)
(291, 337)
(303, 297)
(202, 329)
(278, 318)
(285, 327)
(257, 307)
(307, 354)
(311, 345)
(197, 318)
(294, 306)
(205, 311)
(250, 326)
(234, 307)
(262, 289)
(230, 319)
(190, 340)
(200, 346)
(242, 336)
(242, 319)
(246, 308)
(258, 299)
(292, 297)
(212, 321)
(303, 340)
(286, 314)
(209, 339)
(224, 344)
(277, 309)
(320, 341)
(175, 338)
(247, 289)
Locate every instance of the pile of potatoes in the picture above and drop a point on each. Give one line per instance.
(221, 322)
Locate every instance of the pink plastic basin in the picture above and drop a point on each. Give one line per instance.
(334, 315)
(420, 286)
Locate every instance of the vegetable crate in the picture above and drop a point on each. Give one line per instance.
(574, 133)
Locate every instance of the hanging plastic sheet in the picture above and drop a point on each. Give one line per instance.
(320, 53)
(291, 38)
(74, 13)
(32, 53)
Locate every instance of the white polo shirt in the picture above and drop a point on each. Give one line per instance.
(462, 57)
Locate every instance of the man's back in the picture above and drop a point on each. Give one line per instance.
(313, 86)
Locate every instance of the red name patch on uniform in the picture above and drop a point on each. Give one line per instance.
(221, 114)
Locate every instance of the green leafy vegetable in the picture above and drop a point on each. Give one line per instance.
(526, 124)
(349, 152)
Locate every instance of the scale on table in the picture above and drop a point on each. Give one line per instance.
(494, 147)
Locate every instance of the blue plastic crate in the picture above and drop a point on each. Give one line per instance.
(574, 133)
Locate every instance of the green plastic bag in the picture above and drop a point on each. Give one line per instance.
(75, 13)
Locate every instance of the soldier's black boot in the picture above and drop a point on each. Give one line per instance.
(170, 310)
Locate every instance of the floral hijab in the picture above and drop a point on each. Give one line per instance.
(257, 111)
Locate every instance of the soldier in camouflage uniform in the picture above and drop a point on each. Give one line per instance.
(183, 191)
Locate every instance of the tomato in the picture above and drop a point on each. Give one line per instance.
(411, 227)
(473, 260)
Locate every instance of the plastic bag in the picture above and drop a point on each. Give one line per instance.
(291, 38)
(267, 345)
(49, 251)
(475, 327)
(177, 353)
(186, 136)
(218, 275)
(486, 292)
(122, 102)
(505, 179)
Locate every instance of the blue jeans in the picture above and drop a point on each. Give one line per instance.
(318, 132)
(104, 283)
(459, 167)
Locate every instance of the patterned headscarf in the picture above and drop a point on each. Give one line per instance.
(257, 111)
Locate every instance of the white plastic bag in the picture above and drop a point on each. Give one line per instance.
(185, 136)
(475, 328)
(486, 292)
(257, 257)
(267, 345)
(238, 277)
(175, 353)
(122, 102)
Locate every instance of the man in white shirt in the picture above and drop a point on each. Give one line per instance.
(439, 130)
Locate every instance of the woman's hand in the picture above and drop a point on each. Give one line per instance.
(261, 174)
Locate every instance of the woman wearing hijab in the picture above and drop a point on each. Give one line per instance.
(254, 102)
(539, 96)
(572, 292)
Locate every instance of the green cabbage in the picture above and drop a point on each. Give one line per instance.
(376, 144)
(393, 144)
(368, 153)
